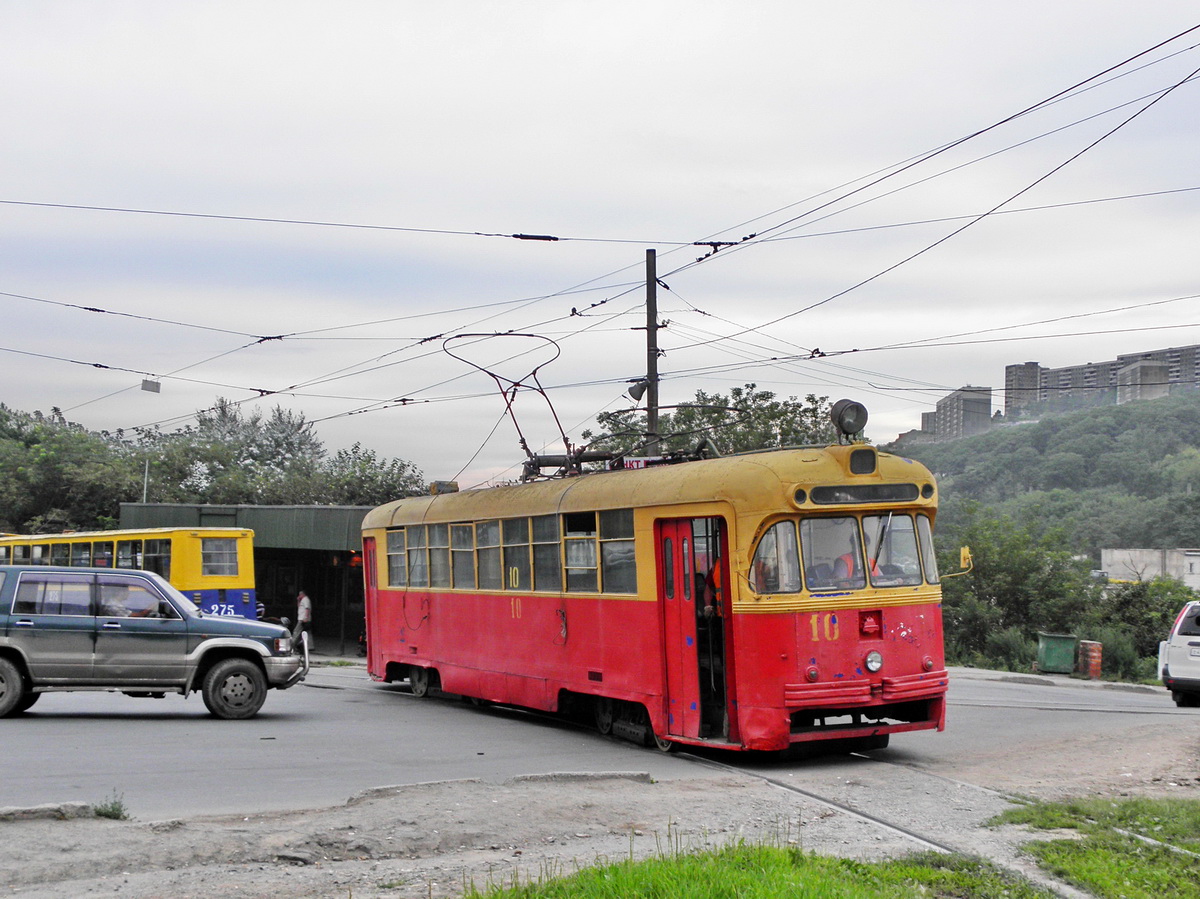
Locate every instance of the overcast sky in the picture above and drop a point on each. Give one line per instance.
(333, 173)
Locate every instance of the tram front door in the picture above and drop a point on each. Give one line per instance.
(693, 589)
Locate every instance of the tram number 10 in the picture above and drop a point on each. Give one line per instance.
(825, 626)
(515, 606)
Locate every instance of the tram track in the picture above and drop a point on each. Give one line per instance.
(920, 840)
(956, 811)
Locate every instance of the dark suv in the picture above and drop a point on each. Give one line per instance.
(113, 629)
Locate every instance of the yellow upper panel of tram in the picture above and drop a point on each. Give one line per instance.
(764, 482)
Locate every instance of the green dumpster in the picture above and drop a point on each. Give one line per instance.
(1056, 653)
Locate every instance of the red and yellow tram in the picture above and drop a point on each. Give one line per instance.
(746, 602)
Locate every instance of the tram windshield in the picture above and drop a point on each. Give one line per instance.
(844, 553)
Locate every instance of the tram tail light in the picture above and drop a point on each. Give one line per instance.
(870, 624)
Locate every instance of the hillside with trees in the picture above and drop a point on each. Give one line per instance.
(1037, 501)
(1114, 476)
(57, 475)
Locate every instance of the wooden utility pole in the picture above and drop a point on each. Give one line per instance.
(652, 444)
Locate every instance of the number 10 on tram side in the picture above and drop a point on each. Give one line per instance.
(752, 602)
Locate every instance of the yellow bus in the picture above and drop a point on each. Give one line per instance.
(213, 567)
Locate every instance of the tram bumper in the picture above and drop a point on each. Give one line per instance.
(862, 707)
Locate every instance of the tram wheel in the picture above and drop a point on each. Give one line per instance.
(603, 709)
(662, 744)
(418, 679)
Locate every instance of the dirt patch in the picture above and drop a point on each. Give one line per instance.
(429, 840)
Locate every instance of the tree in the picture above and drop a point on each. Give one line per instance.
(1145, 611)
(358, 477)
(747, 419)
(1019, 581)
(56, 475)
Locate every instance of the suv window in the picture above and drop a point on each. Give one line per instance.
(1190, 626)
(127, 598)
(53, 594)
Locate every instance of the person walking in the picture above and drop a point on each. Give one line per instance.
(303, 618)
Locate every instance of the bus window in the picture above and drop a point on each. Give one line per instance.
(776, 565)
(129, 553)
(832, 551)
(487, 537)
(102, 554)
(158, 557)
(925, 531)
(81, 555)
(218, 556)
(39, 554)
(60, 554)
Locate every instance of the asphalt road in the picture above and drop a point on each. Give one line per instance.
(338, 734)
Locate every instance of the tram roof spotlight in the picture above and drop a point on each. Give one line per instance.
(848, 417)
(638, 390)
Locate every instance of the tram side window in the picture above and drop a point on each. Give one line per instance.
(517, 572)
(462, 555)
(40, 554)
(418, 559)
(157, 557)
(491, 572)
(618, 569)
(60, 554)
(102, 554)
(832, 552)
(218, 556)
(579, 548)
(20, 555)
(776, 566)
(129, 553)
(547, 555)
(81, 555)
(397, 561)
(439, 555)
(925, 533)
(5, 554)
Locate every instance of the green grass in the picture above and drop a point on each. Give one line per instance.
(768, 872)
(112, 807)
(1106, 856)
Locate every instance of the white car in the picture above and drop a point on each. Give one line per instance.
(1179, 657)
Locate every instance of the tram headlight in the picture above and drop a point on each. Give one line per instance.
(874, 660)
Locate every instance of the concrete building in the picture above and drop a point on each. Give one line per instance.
(965, 412)
(1028, 383)
(1143, 381)
(1147, 564)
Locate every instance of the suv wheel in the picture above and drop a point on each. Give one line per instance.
(12, 689)
(235, 688)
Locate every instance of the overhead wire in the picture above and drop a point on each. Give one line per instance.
(679, 244)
